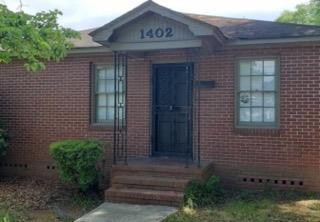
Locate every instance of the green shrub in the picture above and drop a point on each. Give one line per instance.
(201, 193)
(3, 142)
(77, 160)
(87, 201)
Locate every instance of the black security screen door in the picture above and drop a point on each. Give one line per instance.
(172, 109)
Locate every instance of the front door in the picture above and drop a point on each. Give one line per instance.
(172, 109)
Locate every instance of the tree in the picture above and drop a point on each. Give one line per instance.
(306, 13)
(34, 39)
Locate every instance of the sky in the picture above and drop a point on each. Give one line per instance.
(84, 14)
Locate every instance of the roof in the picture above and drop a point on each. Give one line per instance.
(85, 40)
(250, 29)
(234, 29)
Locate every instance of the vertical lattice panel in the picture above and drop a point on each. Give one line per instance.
(120, 107)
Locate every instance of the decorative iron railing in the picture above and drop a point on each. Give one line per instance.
(120, 150)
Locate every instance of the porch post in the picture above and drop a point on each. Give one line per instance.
(115, 62)
(193, 56)
(199, 128)
(125, 111)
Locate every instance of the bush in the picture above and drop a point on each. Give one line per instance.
(201, 193)
(3, 142)
(77, 160)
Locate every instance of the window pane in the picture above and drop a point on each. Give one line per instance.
(256, 99)
(269, 83)
(257, 114)
(269, 114)
(245, 68)
(257, 68)
(257, 83)
(258, 105)
(101, 72)
(104, 89)
(110, 113)
(244, 99)
(110, 99)
(101, 114)
(110, 86)
(101, 85)
(110, 73)
(269, 99)
(244, 114)
(269, 67)
(244, 83)
(102, 100)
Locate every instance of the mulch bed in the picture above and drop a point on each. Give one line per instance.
(31, 193)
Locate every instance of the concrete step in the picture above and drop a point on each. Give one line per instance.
(148, 182)
(144, 196)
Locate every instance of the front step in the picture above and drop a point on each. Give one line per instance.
(180, 172)
(151, 182)
(148, 182)
(144, 196)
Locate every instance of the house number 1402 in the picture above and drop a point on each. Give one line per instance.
(156, 33)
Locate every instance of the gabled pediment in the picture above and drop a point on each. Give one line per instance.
(151, 26)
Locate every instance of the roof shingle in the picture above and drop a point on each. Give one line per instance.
(237, 28)
(233, 28)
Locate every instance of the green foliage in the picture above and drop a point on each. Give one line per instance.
(306, 13)
(3, 142)
(9, 215)
(203, 193)
(33, 39)
(85, 202)
(253, 206)
(6, 217)
(76, 161)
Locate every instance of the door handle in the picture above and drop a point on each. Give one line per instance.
(170, 108)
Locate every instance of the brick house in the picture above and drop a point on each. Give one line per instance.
(193, 92)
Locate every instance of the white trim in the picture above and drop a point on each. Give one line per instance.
(100, 49)
(177, 44)
(145, 46)
(198, 28)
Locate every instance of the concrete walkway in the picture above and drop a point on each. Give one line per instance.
(113, 212)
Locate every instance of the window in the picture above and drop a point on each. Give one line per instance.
(103, 95)
(257, 93)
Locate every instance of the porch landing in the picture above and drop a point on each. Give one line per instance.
(159, 181)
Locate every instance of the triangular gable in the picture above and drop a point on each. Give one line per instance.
(151, 26)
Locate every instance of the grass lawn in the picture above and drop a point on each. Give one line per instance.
(256, 207)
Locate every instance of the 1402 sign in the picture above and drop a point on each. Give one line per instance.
(156, 33)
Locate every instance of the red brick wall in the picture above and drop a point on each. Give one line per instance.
(41, 108)
(290, 153)
(54, 105)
